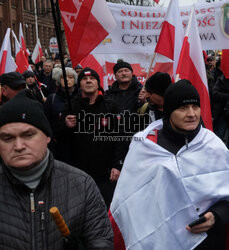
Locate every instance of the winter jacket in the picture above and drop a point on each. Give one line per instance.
(126, 99)
(24, 213)
(220, 96)
(54, 108)
(48, 81)
(93, 154)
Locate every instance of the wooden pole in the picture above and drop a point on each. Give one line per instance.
(148, 73)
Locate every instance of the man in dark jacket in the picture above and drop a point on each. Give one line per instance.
(38, 90)
(32, 182)
(92, 125)
(11, 84)
(125, 90)
(155, 88)
(45, 77)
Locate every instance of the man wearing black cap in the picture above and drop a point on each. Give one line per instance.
(11, 84)
(32, 182)
(155, 88)
(124, 91)
(179, 173)
(38, 90)
(99, 156)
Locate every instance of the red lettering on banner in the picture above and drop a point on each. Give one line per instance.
(186, 13)
(135, 13)
(123, 25)
(212, 9)
(123, 13)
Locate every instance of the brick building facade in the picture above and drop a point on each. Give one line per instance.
(12, 12)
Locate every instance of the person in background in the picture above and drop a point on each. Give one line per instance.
(54, 108)
(78, 69)
(45, 77)
(11, 84)
(155, 88)
(126, 88)
(92, 133)
(38, 90)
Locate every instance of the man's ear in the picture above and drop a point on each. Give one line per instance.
(48, 140)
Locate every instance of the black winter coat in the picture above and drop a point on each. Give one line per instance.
(93, 154)
(69, 189)
(126, 99)
(220, 96)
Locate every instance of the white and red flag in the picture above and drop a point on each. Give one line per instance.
(170, 41)
(22, 42)
(86, 24)
(20, 58)
(7, 63)
(191, 67)
(37, 52)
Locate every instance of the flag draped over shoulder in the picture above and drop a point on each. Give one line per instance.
(153, 201)
(7, 63)
(191, 67)
(37, 52)
(21, 60)
(225, 62)
(86, 24)
(170, 40)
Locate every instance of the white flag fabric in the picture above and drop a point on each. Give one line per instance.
(7, 63)
(158, 193)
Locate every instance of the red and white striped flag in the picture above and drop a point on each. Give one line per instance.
(21, 60)
(7, 63)
(191, 67)
(170, 40)
(22, 42)
(37, 52)
(86, 24)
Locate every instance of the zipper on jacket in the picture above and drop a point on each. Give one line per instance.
(42, 218)
(32, 210)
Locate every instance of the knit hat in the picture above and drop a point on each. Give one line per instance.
(121, 64)
(179, 94)
(23, 109)
(158, 83)
(88, 72)
(12, 80)
(26, 74)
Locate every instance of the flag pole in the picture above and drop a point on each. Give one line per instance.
(153, 58)
(56, 16)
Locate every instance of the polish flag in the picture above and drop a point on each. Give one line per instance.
(225, 62)
(22, 42)
(91, 62)
(191, 67)
(21, 60)
(86, 24)
(170, 40)
(37, 52)
(7, 63)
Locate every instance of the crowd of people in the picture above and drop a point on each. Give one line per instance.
(68, 146)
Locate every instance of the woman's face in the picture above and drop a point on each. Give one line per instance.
(70, 80)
